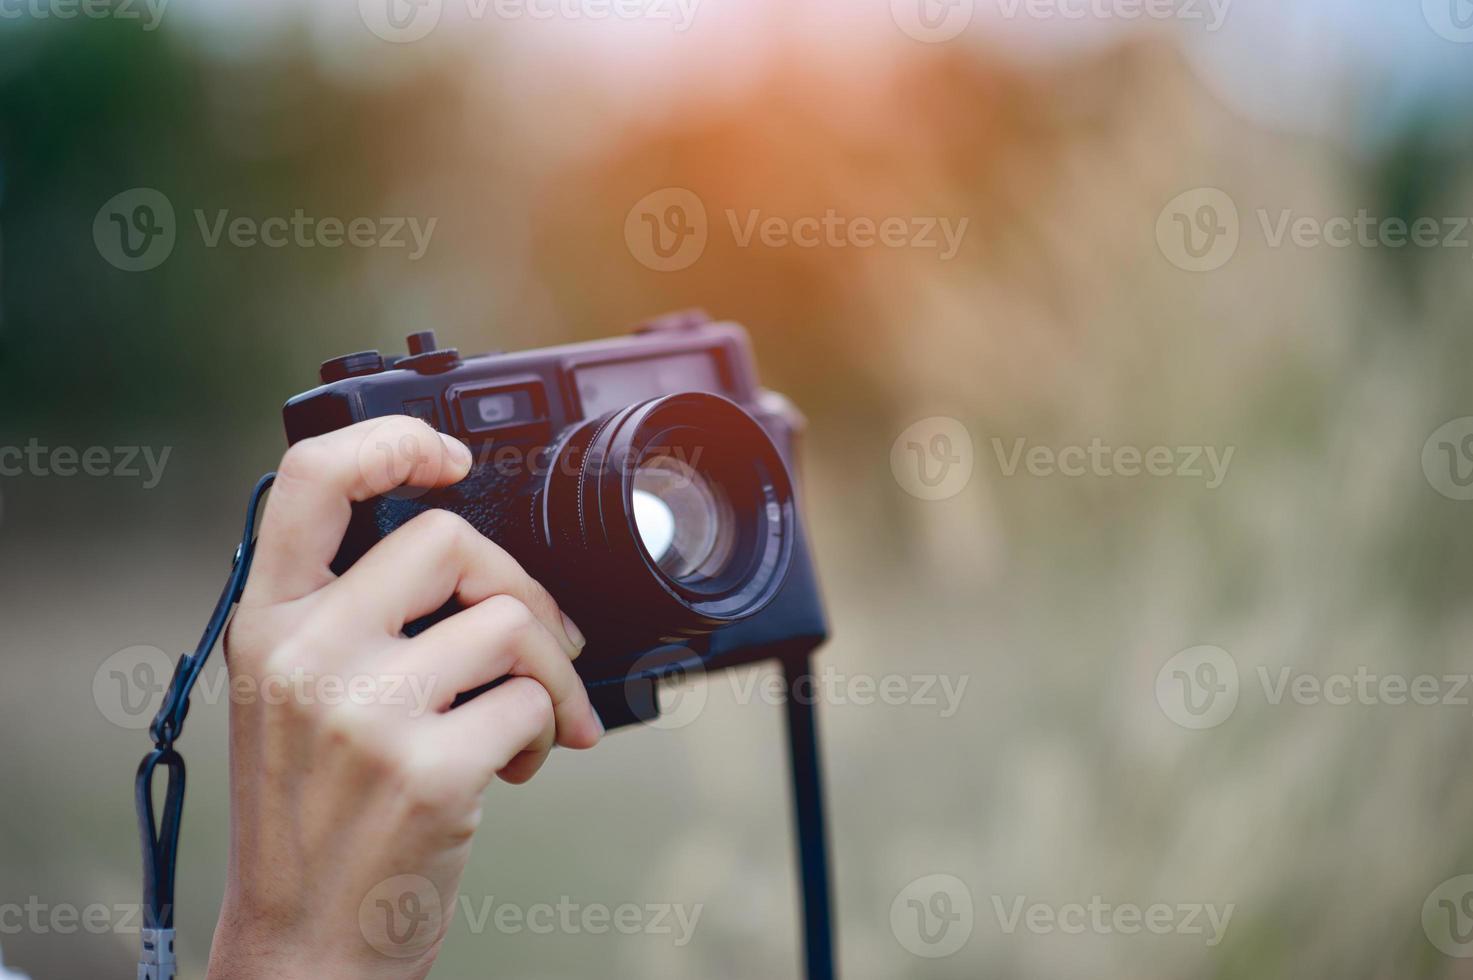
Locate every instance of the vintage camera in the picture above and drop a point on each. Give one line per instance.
(646, 481)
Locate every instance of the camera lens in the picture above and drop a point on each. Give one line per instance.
(675, 514)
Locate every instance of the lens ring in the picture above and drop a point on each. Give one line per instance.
(728, 498)
(714, 499)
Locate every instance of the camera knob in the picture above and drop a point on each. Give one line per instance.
(425, 357)
(351, 366)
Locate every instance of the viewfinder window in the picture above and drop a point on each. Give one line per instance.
(496, 408)
(605, 387)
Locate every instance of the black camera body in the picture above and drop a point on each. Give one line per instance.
(645, 480)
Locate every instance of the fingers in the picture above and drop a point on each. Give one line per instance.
(500, 636)
(318, 481)
(492, 732)
(424, 562)
(528, 761)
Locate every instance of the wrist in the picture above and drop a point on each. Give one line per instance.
(243, 950)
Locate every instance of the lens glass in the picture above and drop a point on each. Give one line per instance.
(685, 521)
(656, 523)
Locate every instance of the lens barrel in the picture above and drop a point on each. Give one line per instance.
(672, 517)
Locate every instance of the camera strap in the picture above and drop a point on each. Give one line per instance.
(161, 840)
(809, 829)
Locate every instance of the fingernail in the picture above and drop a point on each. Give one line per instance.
(459, 451)
(574, 633)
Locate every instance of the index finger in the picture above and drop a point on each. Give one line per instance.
(317, 483)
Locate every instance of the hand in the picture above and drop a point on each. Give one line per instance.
(355, 790)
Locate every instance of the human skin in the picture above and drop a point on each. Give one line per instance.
(333, 800)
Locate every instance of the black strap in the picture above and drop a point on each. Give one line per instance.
(161, 841)
(813, 859)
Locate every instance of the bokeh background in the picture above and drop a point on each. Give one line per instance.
(1063, 134)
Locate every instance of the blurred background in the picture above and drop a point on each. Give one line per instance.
(1142, 198)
